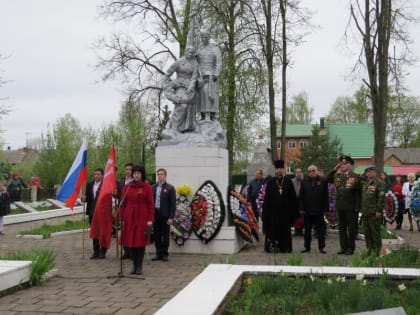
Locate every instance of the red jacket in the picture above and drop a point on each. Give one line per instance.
(137, 209)
(397, 188)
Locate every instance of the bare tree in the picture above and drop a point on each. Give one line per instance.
(161, 36)
(275, 25)
(379, 23)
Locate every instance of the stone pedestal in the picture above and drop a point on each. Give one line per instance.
(193, 166)
(34, 193)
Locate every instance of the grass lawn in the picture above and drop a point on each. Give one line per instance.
(46, 229)
(283, 294)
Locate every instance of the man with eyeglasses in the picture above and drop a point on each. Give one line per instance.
(348, 197)
(313, 203)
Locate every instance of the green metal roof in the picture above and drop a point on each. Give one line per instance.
(298, 130)
(357, 139)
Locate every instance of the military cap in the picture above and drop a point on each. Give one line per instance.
(370, 167)
(346, 159)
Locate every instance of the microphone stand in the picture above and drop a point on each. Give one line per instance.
(121, 274)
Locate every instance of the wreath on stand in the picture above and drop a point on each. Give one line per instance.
(390, 211)
(207, 211)
(181, 228)
(415, 202)
(243, 216)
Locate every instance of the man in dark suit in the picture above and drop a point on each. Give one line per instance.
(91, 195)
(164, 196)
(313, 203)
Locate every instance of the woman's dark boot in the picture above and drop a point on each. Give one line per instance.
(134, 255)
(140, 257)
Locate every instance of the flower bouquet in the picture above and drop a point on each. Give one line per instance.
(243, 216)
(181, 228)
(207, 211)
(390, 210)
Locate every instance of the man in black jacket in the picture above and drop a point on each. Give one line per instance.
(164, 196)
(91, 195)
(313, 203)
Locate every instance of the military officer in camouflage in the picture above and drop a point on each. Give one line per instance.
(372, 205)
(347, 191)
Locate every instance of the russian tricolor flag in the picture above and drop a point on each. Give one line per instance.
(75, 178)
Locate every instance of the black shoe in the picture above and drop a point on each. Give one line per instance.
(101, 256)
(157, 258)
(322, 251)
(349, 252)
(134, 271)
(341, 252)
(139, 271)
(94, 256)
(398, 227)
(165, 258)
(305, 251)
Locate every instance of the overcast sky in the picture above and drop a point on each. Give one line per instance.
(50, 64)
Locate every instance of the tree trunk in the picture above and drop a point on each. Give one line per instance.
(283, 78)
(271, 93)
(231, 75)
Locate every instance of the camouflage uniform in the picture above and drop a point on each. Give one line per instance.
(372, 202)
(347, 194)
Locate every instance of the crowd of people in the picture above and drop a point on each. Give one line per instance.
(303, 202)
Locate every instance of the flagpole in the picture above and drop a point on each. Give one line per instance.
(116, 231)
(83, 220)
(83, 230)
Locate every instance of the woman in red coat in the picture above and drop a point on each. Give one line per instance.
(138, 212)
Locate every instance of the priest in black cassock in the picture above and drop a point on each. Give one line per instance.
(280, 209)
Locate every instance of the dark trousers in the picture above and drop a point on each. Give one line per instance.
(400, 215)
(347, 225)
(98, 250)
(318, 222)
(137, 254)
(161, 234)
(255, 208)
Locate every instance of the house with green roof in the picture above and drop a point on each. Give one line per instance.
(297, 137)
(357, 141)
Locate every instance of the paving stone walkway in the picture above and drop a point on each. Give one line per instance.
(84, 286)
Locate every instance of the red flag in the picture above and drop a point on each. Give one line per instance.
(102, 218)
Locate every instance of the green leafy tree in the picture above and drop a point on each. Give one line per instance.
(403, 120)
(58, 149)
(298, 111)
(321, 151)
(351, 110)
